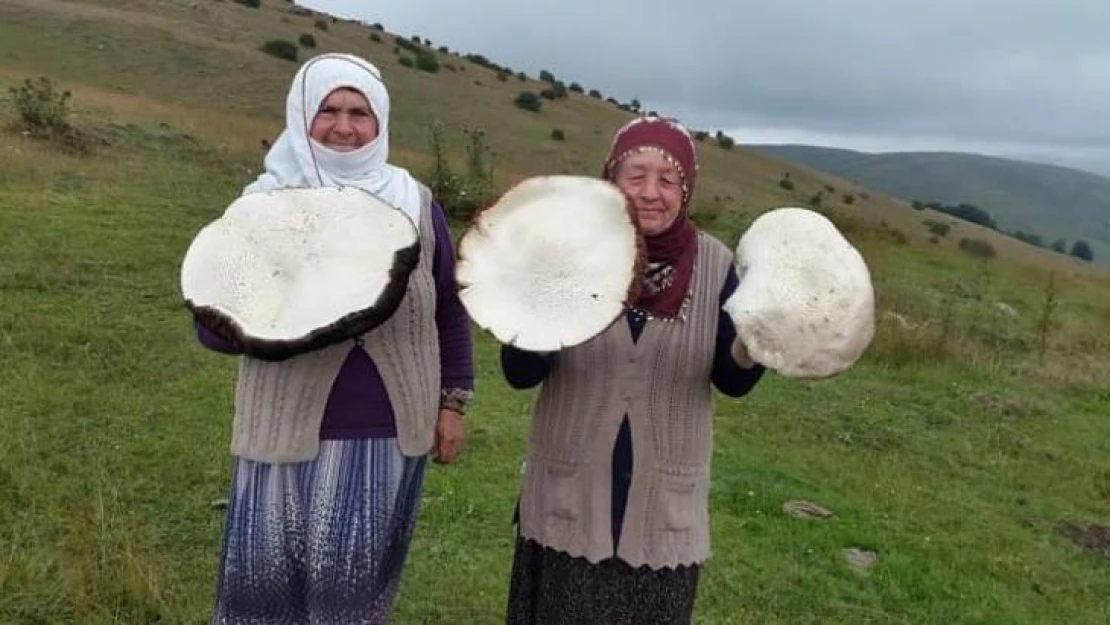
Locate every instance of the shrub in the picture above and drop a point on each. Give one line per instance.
(460, 196)
(557, 134)
(521, 76)
(1060, 245)
(405, 44)
(1082, 250)
(830, 188)
(427, 61)
(406, 61)
(377, 26)
(375, 37)
(849, 198)
(547, 76)
(816, 200)
(502, 76)
(725, 141)
(701, 135)
(444, 50)
(786, 182)
(41, 108)
(528, 101)
(938, 228)
(44, 114)
(575, 87)
(978, 248)
(281, 48)
(254, 4)
(548, 94)
(307, 40)
(321, 24)
(594, 93)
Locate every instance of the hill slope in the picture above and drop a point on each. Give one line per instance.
(1054, 202)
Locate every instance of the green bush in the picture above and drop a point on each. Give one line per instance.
(307, 40)
(406, 61)
(281, 48)
(44, 114)
(558, 135)
(938, 228)
(427, 61)
(528, 101)
(978, 248)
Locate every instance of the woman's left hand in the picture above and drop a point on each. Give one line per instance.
(449, 436)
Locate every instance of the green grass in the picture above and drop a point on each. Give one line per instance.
(953, 457)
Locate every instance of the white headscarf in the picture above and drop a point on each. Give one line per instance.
(295, 160)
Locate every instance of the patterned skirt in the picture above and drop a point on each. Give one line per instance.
(550, 587)
(322, 541)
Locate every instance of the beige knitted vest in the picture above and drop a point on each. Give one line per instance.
(662, 382)
(279, 405)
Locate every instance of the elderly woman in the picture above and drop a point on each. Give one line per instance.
(613, 519)
(324, 539)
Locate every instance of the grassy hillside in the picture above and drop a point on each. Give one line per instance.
(1054, 202)
(958, 450)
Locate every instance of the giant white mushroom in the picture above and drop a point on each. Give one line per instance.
(805, 305)
(552, 263)
(288, 271)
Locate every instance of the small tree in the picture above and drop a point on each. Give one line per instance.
(1082, 250)
(281, 48)
(427, 61)
(1060, 245)
(307, 40)
(724, 140)
(528, 101)
(978, 248)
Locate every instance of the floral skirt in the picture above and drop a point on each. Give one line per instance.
(552, 587)
(322, 541)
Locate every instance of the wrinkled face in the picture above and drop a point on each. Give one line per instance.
(655, 188)
(345, 121)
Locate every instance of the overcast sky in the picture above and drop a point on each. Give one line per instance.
(1022, 78)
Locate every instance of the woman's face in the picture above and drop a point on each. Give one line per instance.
(655, 188)
(345, 121)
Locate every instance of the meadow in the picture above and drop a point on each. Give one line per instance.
(969, 450)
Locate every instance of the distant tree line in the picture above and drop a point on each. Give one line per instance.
(969, 212)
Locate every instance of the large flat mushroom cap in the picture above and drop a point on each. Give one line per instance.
(289, 271)
(805, 305)
(552, 263)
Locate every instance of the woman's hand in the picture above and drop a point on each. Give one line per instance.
(449, 436)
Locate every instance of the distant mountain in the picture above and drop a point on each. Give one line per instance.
(1047, 200)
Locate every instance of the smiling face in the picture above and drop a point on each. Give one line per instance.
(654, 185)
(345, 121)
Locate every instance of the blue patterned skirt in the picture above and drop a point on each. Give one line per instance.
(322, 541)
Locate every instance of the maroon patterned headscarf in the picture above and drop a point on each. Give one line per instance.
(671, 252)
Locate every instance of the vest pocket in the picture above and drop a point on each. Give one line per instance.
(562, 499)
(678, 502)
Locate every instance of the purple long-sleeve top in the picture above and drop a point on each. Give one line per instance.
(358, 406)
